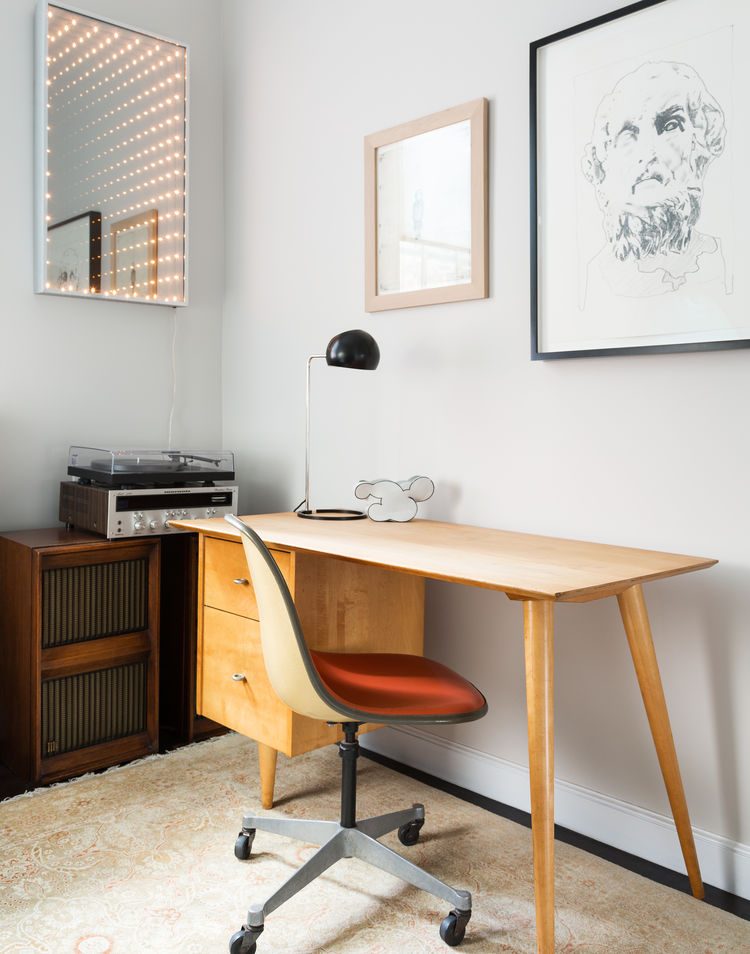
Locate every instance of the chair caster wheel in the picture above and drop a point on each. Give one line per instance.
(408, 834)
(243, 845)
(453, 928)
(244, 941)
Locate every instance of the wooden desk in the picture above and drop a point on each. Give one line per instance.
(539, 572)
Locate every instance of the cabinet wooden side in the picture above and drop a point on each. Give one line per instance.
(19, 667)
(199, 647)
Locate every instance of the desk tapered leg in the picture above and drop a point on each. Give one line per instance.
(267, 762)
(538, 618)
(638, 630)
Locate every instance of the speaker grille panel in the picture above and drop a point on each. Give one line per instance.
(93, 707)
(80, 603)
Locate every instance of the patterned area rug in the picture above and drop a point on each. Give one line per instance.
(140, 859)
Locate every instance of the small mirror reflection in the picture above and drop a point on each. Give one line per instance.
(424, 210)
(115, 163)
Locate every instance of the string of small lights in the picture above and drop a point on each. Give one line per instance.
(115, 160)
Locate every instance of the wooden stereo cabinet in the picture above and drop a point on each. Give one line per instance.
(79, 640)
(343, 606)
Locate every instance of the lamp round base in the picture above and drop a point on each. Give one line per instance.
(332, 514)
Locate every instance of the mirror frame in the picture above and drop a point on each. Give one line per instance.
(476, 112)
(41, 154)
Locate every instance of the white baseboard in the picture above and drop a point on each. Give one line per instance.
(724, 863)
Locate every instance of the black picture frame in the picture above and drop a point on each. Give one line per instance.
(84, 229)
(541, 355)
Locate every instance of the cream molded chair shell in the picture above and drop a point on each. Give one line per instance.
(350, 689)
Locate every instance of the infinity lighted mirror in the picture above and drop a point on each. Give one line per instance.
(111, 160)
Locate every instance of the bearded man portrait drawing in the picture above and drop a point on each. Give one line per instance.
(655, 136)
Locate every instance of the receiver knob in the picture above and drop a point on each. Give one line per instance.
(138, 525)
(153, 524)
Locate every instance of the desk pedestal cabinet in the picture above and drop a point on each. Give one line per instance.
(79, 636)
(343, 607)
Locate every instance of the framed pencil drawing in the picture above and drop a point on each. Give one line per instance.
(638, 146)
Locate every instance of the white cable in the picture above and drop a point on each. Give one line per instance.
(174, 379)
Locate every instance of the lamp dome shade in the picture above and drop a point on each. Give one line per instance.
(353, 349)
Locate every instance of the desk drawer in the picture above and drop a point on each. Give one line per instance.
(225, 562)
(231, 646)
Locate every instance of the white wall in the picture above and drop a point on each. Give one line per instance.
(648, 451)
(95, 372)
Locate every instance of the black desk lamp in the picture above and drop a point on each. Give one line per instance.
(350, 349)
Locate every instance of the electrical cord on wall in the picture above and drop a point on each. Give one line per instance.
(174, 378)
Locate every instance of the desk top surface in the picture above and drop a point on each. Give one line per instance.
(519, 564)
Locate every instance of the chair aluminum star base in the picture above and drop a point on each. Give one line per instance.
(347, 839)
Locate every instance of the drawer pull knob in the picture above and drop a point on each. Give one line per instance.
(238, 676)
(241, 581)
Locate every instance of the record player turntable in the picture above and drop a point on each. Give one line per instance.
(127, 493)
(149, 468)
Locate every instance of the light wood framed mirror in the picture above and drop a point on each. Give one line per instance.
(111, 160)
(426, 200)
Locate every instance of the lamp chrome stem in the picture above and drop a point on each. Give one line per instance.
(307, 430)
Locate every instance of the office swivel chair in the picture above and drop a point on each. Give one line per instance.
(348, 689)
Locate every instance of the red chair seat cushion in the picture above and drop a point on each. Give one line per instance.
(396, 685)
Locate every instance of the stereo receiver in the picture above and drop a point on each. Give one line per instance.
(138, 512)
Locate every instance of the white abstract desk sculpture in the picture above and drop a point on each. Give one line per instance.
(394, 500)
